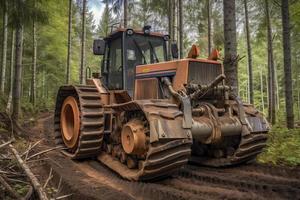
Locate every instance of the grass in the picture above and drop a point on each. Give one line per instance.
(283, 147)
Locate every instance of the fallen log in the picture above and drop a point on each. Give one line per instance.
(34, 181)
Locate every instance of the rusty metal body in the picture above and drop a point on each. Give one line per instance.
(145, 120)
(135, 138)
(225, 131)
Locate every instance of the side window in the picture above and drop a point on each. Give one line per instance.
(147, 55)
(115, 80)
(160, 52)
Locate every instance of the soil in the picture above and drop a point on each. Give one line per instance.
(89, 179)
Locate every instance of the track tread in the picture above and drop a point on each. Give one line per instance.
(92, 120)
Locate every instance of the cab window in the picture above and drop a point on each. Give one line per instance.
(115, 77)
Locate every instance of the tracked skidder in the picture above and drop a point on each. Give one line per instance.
(146, 116)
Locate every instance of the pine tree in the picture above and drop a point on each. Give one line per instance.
(180, 27)
(69, 56)
(18, 71)
(12, 53)
(125, 9)
(34, 59)
(106, 19)
(249, 51)
(288, 83)
(271, 68)
(4, 48)
(208, 27)
(82, 61)
(230, 45)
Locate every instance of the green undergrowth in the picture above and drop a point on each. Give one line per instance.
(283, 147)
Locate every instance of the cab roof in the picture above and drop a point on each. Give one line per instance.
(117, 32)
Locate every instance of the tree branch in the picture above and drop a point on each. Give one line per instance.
(34, 181)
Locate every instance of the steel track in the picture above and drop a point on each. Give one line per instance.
(91, 120)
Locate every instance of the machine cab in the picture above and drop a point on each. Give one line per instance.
(123, 50)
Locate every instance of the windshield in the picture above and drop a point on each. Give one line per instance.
(145, 49)
(141, 49)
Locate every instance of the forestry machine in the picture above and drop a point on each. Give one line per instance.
(147, 115)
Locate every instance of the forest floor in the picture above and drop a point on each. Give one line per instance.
(89, 179)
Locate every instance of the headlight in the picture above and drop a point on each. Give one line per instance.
(166, 37)
(129, 31)
(146, 29)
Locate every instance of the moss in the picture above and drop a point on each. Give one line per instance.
(21, 189)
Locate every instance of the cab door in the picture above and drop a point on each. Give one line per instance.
(115, 65)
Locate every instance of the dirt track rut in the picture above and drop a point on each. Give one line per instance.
(193, 182)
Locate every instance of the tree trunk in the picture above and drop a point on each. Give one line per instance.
(8, 107)
(262, 90)
(173, 20)
(298, 88)
(271, 71)
(288, 83)
(43, 83)
(4, 48)
(170, 27)
(82, 64)
(18, 73)
(69, 43)
(33, 69)
(277, 99)
(125, 13)
(249, 50)
(180, 20)
(230, 45)
(298, 104)
(267, 87)
(208, 27)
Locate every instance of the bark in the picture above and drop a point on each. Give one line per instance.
(277, 99)
(82, 63)
(262, 90)
(125, 13)
(18, 73)
(170, 27)
(180, 20)
(173, 19)
(4, 48)
(271, 70)
(298, 99)
(12, 55)
(230, 45)
(288, 83)
(69, 43)
(298, 90)
(208, 27)
(33, 69)
(43, 84)
(249, 51)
